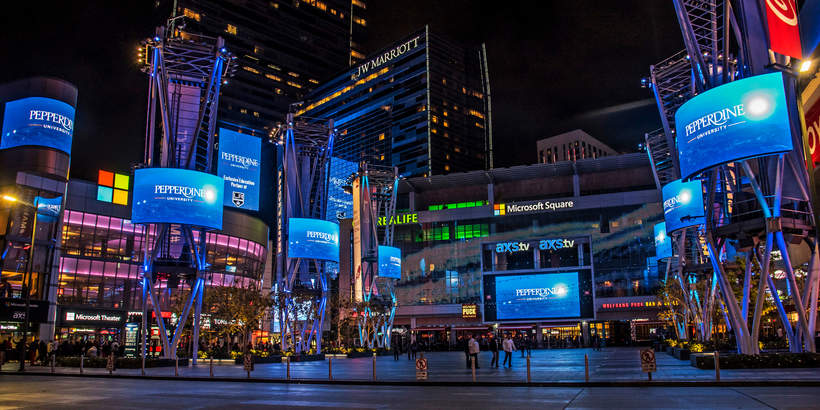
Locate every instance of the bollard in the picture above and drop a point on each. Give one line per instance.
(143, 363)
(82, 360)
(53, 359)
(472, 366)
(586, 368)
(2, 360)
(176, 366)
(212, 367)
(374, 366)
(717, 366)
(330, 368)
(529, 377)
(288, 374)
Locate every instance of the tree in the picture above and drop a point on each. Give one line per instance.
(241, 309)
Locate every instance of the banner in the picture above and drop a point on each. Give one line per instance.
(313, 239)
(743, 119)
(784, 35)
(683, 204)
(239, 157)
(38, 121)
(663, 243)
(389, 262)
(172, 195)
(48, 208)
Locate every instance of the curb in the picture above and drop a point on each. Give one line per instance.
(755, 383)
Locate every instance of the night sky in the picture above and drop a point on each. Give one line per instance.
(554, 66)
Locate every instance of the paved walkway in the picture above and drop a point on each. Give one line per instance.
(74, 393)
(560, 365)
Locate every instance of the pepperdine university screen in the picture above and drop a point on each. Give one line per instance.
(538, 295)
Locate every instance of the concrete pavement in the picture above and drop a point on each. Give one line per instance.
(31, 392)
(559, 365)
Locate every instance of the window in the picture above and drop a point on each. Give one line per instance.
(251, 69)
(360, 21)
(381, 137)
(451, 282)
(273, 77)
(231, 29)
(359, 3)
(292, 84)
(258, 50)
(356, 54)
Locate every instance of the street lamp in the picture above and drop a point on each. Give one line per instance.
(26, 277)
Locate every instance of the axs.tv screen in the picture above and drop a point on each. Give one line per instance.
(538, 296)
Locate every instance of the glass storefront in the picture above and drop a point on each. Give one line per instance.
(443, 266)
(101, 258)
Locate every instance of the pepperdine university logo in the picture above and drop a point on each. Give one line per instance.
(557, 290)
(325, 236)
(245, 162)
(205, 194)
(66, 125)
(681, 199)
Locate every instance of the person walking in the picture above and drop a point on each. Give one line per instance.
(474, 349)
(414, 347)
(494, 349)
(508, 347)
(395, 343)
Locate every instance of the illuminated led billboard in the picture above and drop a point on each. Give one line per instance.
(683, 204)
(389, 262)
(38, 121)
(663, 243)
(313, 239)
(742, 119)
(239, 166)
(340, 202)
(542, 296)
(171, 195)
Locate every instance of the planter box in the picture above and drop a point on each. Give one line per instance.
(763, 361)
(307, 358)
(681, 354)
(119, 363)
(260, 360)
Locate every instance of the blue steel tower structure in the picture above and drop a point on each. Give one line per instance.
(304, 177)
(185, 73)
(374, 199)
(753, 205)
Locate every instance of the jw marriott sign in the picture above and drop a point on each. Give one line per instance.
(389, 55)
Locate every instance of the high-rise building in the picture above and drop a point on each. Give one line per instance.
(283, 50)
(421, 104)
(571, 146)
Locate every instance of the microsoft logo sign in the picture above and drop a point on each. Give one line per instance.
(113, 187)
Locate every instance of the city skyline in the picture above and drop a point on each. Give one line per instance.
(532, 96)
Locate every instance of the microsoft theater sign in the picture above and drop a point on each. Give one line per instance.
(388, 56)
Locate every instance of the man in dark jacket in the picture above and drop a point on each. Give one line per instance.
(494, 349)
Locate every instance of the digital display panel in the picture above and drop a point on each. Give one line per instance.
(38, 121)
(742, 119)
(663, 243)
(542, 296)
(339, 202)
(313, 239)
(389, 262)
(683, 204)
(239, 158)
(171, 195)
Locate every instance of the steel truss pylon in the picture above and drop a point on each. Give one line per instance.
(185, 73)
(747, 214)
(374, 200)
(303, 190)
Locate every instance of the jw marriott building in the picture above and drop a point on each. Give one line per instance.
(421, 104)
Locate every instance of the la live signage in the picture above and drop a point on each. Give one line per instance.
(784, 35)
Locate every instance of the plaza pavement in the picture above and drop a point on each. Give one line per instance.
(614, 364)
